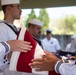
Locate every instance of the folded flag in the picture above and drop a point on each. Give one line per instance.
(20, 60)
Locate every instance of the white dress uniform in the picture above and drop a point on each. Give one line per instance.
(65, 68)
(6, 33)
(51, 45)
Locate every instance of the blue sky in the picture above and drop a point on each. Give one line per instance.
(54, 12)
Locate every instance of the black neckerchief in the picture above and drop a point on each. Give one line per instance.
(16, 32)
(39, 42)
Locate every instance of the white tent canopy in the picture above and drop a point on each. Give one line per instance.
(46, 3)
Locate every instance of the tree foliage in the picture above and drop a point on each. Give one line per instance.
(66, 25)
(44, 17)
(70, 22)
(32, 15)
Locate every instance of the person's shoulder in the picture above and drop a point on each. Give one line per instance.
(1, 22)
(69, 44)
(3, 27)
(53, 38)
(43, 39)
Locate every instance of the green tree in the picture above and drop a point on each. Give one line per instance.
(70, 22)
(66, 25)
(43, 16)
(32, 15)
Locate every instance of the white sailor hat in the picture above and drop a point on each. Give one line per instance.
(73, 36)
(36, 22)
(6, 2)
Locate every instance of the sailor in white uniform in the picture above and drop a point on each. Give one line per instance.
(12, 11)
(50, 43)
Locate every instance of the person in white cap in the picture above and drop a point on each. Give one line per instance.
(50, 43)
(34, 27)
(71, 47)
(12, 11)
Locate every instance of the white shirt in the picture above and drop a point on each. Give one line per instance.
(51, 45)
(69, 49)
(6, 33)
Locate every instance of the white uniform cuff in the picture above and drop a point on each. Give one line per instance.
(7, 47)
(58, 64)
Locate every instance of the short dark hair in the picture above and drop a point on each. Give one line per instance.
(29, 24)
(5, 6)
(48, 32)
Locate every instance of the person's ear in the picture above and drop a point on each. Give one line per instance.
(9, 7)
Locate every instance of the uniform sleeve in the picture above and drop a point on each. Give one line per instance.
(4, 50)
(3, 32)
(65, 68)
